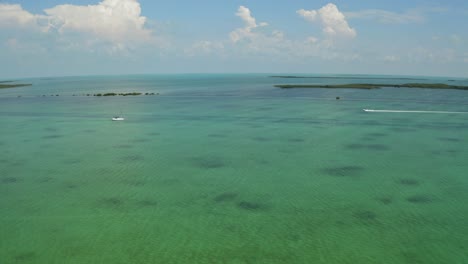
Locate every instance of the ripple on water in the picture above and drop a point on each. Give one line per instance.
(365, 216)
(132, 158)
(225, 197)
(208, 162)
(141, 140)
(344, 171)
(147, 203)
(25, 257)
(376, 134)
(449, 139)
(261, 139)
(215, 135)
(379, 147)
(134, 182)
(386, 200)
(420, 199)
(123, 146)
(72, 161)
(8, 180)
(296, 140)
(111, 202)
(408, 182)
(55, 136)
(252, 206)
(51, 129)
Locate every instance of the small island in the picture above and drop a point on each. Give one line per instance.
(10, 84)
(342, 77)
(370, 86)
(120, 94)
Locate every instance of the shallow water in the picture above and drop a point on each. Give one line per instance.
(229, 169)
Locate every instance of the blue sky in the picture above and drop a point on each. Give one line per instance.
(71, 37)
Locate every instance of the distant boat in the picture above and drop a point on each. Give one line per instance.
(118, 118)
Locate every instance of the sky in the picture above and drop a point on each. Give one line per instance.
(108, 37)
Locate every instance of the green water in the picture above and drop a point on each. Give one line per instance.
(228, 169)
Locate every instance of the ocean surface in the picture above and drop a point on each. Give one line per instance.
(229, 169)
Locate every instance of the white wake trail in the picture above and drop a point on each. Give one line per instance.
(412, 111)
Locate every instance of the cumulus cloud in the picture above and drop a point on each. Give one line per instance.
(115, 25)
(387, 17)
(333, 21)
(257, 40)
(250, 40)
(250, 24)
(114, 20)
(13, 15)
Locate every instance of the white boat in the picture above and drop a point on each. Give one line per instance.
(118, 118)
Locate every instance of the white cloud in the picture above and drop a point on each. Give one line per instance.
(205, 47)
(11, 43)
(333, 22)
(13, 15)
(391, 58)
(312, 40)
(387, 17)
(431, 55)
(455, 39)
(113, 20)
(251, 41)
(115, 25)
(250, 24)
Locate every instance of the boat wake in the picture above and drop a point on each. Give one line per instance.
(412, 111)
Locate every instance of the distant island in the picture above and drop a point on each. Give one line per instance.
(341, 77)
(10, 84)
(370, 86)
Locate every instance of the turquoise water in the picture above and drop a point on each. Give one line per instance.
(229, 169)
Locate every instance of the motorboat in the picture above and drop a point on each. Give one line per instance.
(118, 118)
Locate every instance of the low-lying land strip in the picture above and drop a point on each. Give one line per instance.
(375, 86)
(9, 84)
(342, 77)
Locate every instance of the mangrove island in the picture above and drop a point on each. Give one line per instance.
(10, 84)
(369, 86)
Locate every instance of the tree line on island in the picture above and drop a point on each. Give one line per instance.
(367, 86)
